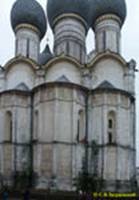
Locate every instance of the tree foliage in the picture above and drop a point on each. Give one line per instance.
(86, 181)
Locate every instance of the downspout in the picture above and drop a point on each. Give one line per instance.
(86, 131)
(15, 149)
(134, 136)
(31, 141)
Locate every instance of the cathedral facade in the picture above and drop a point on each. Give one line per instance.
(54, 103)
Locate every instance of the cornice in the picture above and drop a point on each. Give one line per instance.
(62, 58)
(70, 15)
(27, 26)
(108, 17)
(114, 91)
(87, 92)
(16, 92)
(20, 59)
(107, 54)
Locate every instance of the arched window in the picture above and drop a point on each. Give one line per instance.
(81, 126)
(8, 127)
(111, 127)
(36, 124)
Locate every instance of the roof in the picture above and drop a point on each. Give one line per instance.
(45, 56)
(22, 86)
(28, 12)
(63, 78)
(56, 8)
(101, 7)
(106, 85)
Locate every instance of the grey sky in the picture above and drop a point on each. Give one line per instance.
(130, 39)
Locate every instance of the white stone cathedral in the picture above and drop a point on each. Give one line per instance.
(54, 103)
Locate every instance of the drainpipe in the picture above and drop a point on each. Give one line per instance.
(31, 140)
(86, 131)
(15, 143)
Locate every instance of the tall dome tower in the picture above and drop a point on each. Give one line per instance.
(70, 22)
(113, 102)
(108, 17)
(29, 24)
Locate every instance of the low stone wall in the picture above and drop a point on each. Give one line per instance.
(43, 195)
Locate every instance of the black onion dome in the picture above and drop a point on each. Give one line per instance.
(45, 56)
(28, 12)
(56, 8)
(101, 7)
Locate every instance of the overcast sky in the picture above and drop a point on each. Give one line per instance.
(130, 39)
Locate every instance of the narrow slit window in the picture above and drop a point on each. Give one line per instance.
(111, 127)
(16, 46)
(27, 48)
(110, 123)
(8, 127)
(104, 40)
(36, 124)
(81, 126)
(110, 138)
